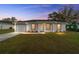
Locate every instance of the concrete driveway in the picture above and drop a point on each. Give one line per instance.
(8, 35)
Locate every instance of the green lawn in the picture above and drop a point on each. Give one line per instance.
(42, 43)
(6, 31)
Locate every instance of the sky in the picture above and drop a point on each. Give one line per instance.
(29, 11)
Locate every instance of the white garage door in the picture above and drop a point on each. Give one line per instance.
(20, 28)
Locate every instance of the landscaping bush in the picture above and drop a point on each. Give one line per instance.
(10, 27)
(2, 31)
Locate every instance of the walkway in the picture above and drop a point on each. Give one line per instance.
(12, 34)
(31, 32)
(8, 35)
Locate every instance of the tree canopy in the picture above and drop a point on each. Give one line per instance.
(12, 19)
(67, 13)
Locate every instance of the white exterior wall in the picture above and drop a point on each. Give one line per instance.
(36, 27)
(54, 27)
(6, 26)
(63, 27)
(41, 27)
(51, 28)
(28, 27)
(20, 28)
(14, 27)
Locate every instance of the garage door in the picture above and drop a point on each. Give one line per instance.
(20, 28)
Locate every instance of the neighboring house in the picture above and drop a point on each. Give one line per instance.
(40, 26)
(6, 24)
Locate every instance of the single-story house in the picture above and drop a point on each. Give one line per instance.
(6, 24)
(40, 26)
(35, 26)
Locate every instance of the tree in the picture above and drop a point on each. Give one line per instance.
(6, 19)
(10, 20)
(13, 19)
(53, 16)
(67, 13)
(56, 16)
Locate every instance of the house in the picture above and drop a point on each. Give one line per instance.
(6, 24)
(40, 26)
(35, 26)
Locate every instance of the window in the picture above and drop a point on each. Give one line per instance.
(58, 27)
(48, 27)
(33, 26)
(67, 26)
(72, 26)
(41, 27)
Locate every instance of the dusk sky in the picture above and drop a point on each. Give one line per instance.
(29, 11)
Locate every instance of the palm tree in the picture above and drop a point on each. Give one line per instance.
(67, 13)
(13, 19)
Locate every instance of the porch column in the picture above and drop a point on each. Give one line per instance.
(44, 27)
(54, 27)
(36, 25)
(51, 27)
(63, 27)
(26, 28)
(30, 27)
(39, 27)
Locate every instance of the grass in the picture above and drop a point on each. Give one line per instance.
(6, 31)
(42, 43)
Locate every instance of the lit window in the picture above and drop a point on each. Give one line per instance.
(67, 26)
(48, 27)
(58, 27)
(71, 26)
(41, 26)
